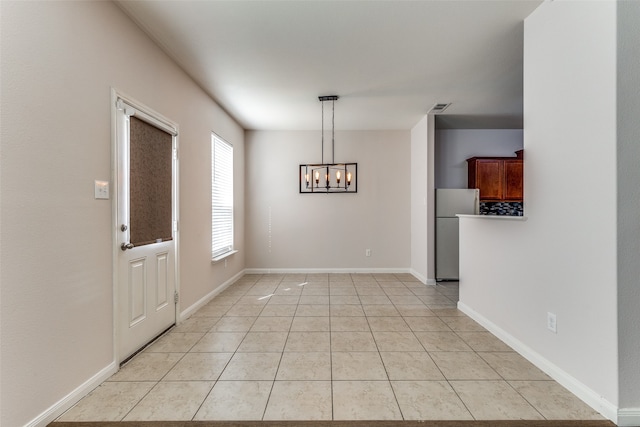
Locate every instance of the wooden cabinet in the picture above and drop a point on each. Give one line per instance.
(486, 174)
(498, 178)
(513, 185)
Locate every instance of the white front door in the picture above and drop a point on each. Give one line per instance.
(145, 227)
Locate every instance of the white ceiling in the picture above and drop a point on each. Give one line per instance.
(266, 62)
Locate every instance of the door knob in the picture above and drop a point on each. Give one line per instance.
(126, 246)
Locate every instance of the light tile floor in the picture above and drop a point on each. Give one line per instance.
(329, 346)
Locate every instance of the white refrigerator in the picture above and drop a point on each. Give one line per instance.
(450, 202)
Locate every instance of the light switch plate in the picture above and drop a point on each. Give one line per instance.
(101, 189)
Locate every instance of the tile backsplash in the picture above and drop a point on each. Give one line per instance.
(501, 208)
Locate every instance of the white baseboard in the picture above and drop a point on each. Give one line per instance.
(188, 312)
(324, 270)
(628, 417)
(422, 278)
(419, 276)
(72, 398)
(590, 397)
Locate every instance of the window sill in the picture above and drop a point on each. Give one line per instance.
(223, 256)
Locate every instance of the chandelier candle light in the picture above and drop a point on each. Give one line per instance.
(328, 177)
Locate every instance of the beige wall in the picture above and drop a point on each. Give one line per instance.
(422, 200)
(289, 230)
(628, 110)
(59, 63)
(563, 259)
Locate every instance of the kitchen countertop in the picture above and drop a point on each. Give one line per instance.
(498, 217)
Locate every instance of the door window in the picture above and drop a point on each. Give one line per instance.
(150, 157)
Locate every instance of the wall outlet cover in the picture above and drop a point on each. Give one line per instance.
(101, 189)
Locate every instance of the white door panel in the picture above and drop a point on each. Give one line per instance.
(146, 211)
(137, 283)
(162, 280)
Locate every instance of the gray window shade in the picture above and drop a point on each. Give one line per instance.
(221, 197)
(150, 157)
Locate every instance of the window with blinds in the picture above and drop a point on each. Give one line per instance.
(221, 198)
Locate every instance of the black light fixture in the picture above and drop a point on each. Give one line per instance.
(323, 178)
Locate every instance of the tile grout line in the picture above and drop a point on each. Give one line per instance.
(447, 379)
(226, 364)
(156, 383)
(333, 416)
(393, 390)
(273, 383)
(525, 399)
(460, 398)
(236, 349)
(215, 382)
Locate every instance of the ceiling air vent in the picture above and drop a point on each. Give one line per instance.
(439, 108)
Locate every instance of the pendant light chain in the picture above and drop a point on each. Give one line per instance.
(333, 131)
(322, 132)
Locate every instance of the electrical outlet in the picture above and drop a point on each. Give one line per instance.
(367, 252)
(552, 324)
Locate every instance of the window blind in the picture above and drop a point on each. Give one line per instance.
(221, 197)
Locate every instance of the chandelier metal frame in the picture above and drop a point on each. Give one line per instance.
(326, 178)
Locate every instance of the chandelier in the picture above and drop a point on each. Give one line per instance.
(328, 177)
